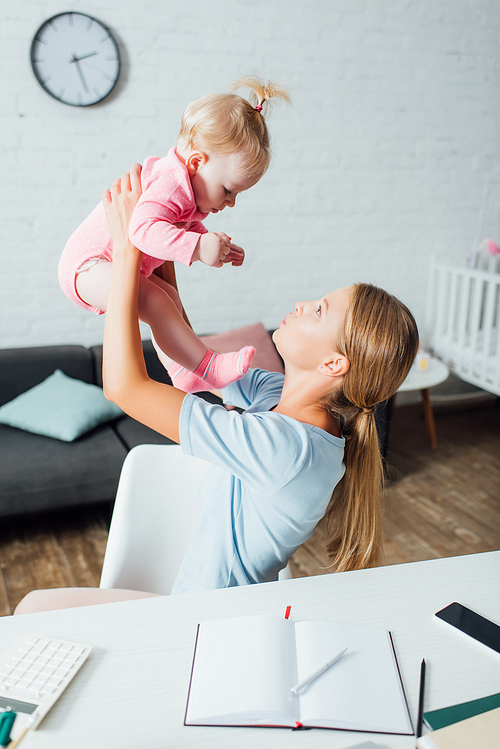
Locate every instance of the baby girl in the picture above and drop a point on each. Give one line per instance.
(222, 150)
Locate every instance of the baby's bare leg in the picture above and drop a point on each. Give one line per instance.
(159, 307)
(92, 285)
(174, 295)
(169, 289)
(195, 367)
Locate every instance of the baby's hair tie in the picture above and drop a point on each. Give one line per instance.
(258, 108)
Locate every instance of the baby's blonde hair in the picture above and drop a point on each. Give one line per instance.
(228, 123)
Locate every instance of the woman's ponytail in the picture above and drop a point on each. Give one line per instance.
(354, 517)
(380, 340)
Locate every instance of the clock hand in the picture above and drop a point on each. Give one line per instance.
(77, 59)
(79, 70)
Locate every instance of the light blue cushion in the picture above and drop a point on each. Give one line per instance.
(59, 407)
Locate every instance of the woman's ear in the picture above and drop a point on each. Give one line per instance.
(195, 160)
(336, 366)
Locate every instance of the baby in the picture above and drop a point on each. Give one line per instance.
(222, 150)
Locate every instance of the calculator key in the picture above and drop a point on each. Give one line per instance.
(39, 670)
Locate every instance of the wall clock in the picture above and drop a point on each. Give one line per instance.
(75, 59)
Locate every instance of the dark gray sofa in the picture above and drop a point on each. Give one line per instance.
(39, 473)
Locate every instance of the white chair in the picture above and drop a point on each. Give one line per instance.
(156, 507)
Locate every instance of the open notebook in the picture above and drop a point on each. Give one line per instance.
(244, 668)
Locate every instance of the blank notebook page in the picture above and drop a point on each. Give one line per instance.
(354, 689)
(217, 685)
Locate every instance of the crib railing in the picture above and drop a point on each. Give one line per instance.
(463, 322)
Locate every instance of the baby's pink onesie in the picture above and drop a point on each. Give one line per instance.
(165, 225)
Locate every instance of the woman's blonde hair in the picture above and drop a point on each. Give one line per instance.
(380, 340)
(228, 123)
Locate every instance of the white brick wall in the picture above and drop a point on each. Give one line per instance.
(380, 162)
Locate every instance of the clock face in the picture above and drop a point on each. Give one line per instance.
(75, 59)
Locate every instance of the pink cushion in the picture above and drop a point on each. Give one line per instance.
(266, 356)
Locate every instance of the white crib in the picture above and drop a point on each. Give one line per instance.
(463, 321)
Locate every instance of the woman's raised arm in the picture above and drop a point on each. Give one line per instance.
(125, 378)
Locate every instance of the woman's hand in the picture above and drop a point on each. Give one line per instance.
(119, 203)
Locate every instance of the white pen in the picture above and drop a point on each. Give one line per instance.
(326, 665)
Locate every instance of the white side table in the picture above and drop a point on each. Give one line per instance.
(423, 379)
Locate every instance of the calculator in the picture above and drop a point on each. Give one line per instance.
(37, 672)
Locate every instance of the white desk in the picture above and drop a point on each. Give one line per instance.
(132, 690)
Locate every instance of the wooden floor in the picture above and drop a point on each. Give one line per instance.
(439, 503)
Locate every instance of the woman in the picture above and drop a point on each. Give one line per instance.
(276, 465)
(305, 447)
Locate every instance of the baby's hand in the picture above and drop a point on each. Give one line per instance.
(212, 249)
(236, 256)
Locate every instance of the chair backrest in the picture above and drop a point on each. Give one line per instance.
(155, 510)
(156, 507)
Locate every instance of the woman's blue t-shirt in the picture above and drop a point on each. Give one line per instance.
(269, 484)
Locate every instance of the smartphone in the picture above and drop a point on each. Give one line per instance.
(472, 624)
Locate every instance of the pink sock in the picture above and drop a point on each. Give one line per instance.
(214, 372)
(185, 380)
